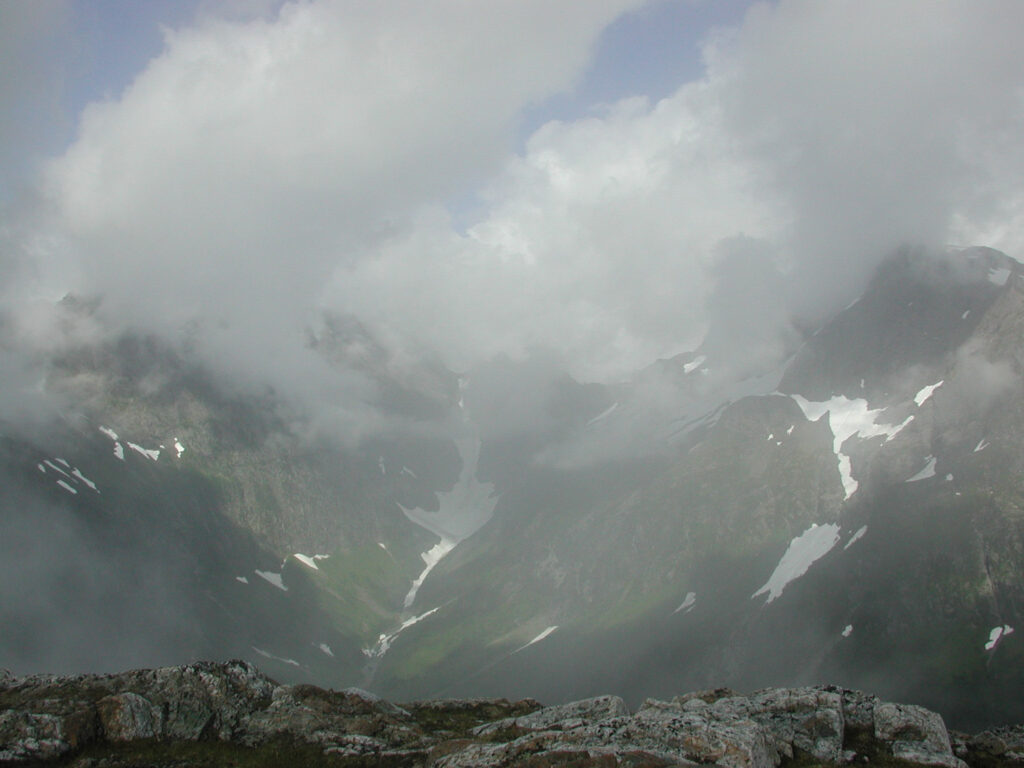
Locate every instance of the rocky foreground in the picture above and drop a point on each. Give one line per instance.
(209, 714)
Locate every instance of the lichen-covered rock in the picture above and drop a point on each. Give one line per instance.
(128, 717)
(1005, 741)
(809, 719)
(30, 736)
(916, 734)
(346, 722)
(560, 717)
(46, 717)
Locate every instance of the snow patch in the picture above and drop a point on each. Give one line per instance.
(409, 472)
(604, 414)
(848, 630)
(326, 649)
(463, 511)
(178, 447)
(78, 474)
(385, 640)
(273, 578)
(847, 418)
(924, 474)
(41, 468)
(694, 364)
(926, 392)
(380, 463)
(999, 276)
(382, 546)
(66, 487)
(109, 433)
(242, 579)
(996, 635)
(688, 602)
(982, 445)
(790, 430)
(149, 453)
(431, 558)
(856, 536)
(537, 639)
(965, 314)
(803, 551)
(309, 560)
(51, 465)
(119, 451)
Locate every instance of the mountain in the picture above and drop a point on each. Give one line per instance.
(856, 520)
(845, 509)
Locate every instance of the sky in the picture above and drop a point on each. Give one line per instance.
(597, 180)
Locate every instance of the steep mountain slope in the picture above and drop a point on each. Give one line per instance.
(861, 522)
(849, 512)
(190, 519)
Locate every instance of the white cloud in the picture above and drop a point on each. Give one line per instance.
(258, 168)
(249, 157)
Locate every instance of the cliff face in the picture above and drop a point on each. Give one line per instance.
(214, 714)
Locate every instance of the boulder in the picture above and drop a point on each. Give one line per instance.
(916, 734)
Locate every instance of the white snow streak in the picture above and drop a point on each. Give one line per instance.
(537, 639)
(326, 649)
(119, 451)
(431, 558)
(982, 445)
(384, 641)
(697, 362)
(51, 465)
(848, 630)
(924, 474)
(604, 414)
(996, 635)
(149, 453)
(109, 433)
(242, 579)
(66, 487)
(309, 560)
(922, 397)
(688, 602)
(803, 551)
(856, 536)
(178, 447)
(77, 473)
(273, 578)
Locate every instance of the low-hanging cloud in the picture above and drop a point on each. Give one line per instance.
(259, 171)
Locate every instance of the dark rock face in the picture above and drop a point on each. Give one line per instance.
(48, 718)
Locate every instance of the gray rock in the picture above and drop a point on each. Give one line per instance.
(561, 717)
(916, 734)
(809, 719)
(31, 736)
(128, 716)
